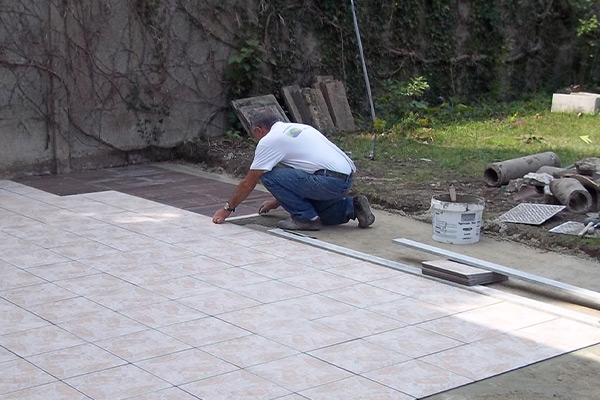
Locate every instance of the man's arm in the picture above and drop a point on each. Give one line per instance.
(245, 187)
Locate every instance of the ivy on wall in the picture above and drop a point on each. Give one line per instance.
(464, 49)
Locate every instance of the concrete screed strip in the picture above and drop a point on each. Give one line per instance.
(590, 298)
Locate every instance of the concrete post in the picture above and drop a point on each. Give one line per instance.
(500, 173)
(571, 193)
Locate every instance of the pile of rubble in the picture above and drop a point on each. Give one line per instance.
(575, 188)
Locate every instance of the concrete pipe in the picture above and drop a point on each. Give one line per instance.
(571, 193)
(500, 173)
(556, 172)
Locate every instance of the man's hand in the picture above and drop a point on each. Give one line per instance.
(242, 191)
(220, 216)
(268, 206)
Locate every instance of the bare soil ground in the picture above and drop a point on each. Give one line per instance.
(411, 197)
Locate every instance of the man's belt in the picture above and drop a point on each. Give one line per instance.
(326, 172)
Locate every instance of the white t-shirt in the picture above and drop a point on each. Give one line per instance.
(301, 147)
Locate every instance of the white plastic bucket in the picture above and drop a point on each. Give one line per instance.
(457, 222)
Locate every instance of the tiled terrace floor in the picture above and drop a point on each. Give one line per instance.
(109, 296)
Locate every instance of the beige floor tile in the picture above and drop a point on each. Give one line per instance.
(120, 299)
(174, 235)
(7, 241)
(286, 250)
(15, 319)
(362, 295)
(166, 394)
(162, 314)
(240, 258)
(6, 355)
(196, 265)
(300, 372)
(355, 387)
(312, 307)
(176, 288)
(95, 284)
(142, 345)
(186, 366)
(101, 324)
(77, 225)
(237, 385)
(33, 295)
(85, 249)
(479, 360)
(253, 239)
(64, 270)
(278, 268)
(158, 255)
(144, 276)
(411, 311)
(485, 322)
(270, 291)
(13, 277)
(563, 334)
(319, 281)
(304, 335)
(55, 215)
(409, 285)
(117, 383)
(130, 241)
(456, 299)
(50, 238)
(231, 277)
(413, 342)
(68, 309)
(361, 322)
(205, 245)
(417, 378)
(19, 374)
(76, 360)
(359, 356)
(255, 318)
(249, 350)
(54, 391)
(364, 272)
(32, 256)
(39, 340)
(322, 259)
(204, 331)
(218, 301)
(206, 227)
(105, 231)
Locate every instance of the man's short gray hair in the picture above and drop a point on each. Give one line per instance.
(264, 119)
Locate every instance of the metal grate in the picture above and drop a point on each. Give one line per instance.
(532, 214)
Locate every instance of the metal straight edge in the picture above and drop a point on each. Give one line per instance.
(240, 217)
(483, 290)
(300, 237)
(580, 293)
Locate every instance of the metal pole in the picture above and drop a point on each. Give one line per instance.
(366, 75)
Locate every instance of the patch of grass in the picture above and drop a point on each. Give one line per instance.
(466, 145)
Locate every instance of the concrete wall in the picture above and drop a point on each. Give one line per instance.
(84, 83)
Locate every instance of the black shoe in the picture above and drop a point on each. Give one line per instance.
(362, 211)
(295, 225)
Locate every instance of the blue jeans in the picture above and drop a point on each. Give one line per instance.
(306, 196)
